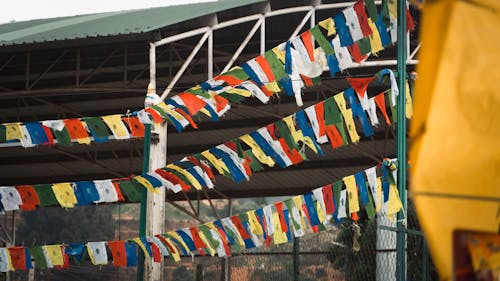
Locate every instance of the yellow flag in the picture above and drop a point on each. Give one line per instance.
(255, 225)
(352, 193)
(321, 214)
(279, 53)
(218, 164)
(116, 126)
(174, 254)
(296, 135)
(188, 175)
(329, 25)
(177, 238)
(279, 236)
(64, 194)
(138, 241)
(13, 131)
(54, 254)
(144, 182)
(393, 8)
(409, 102)
(297, 200)
(394, 203)
(257, 151)
(273, 87)
(207, 243)
(378, 203)
(240, 92)
(375, 41)
(347, 114)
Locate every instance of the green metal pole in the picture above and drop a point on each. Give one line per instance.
(401, 141)
(144, 198)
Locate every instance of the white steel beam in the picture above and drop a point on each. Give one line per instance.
(210, 58)
(243, 44)
(302, 23)
(185, 65)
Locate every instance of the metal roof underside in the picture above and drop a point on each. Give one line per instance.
(109, 24)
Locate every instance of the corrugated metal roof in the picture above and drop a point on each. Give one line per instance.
(109, 24)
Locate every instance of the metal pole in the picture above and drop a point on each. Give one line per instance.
(144, 197)
(145, 165)
(401, 141)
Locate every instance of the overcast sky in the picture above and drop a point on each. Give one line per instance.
(20, 10)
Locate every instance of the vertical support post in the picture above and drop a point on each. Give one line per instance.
(145, 165)
(401, 141)
(425, 273)
(210, 60)
(144, 197)
(155, 219)
(296, 264)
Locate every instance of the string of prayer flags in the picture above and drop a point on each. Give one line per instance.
(275, 223)
(343, 40)
(277, 143)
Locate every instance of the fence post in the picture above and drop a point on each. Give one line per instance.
(296, 264)
(199, 272)
(425, 268)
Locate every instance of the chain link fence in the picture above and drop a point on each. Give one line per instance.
(350, 251)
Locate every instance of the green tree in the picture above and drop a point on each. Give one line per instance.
(181, 273)
(79, 224)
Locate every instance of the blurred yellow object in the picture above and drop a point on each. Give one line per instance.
(455, 130)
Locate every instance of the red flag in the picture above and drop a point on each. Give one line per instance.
(328, 198)
(271, 128)
(220, 102)
(356, 53)
(116, 184)
(136, 128)
(192, 102)
(18, 257)
(360, 84)
(279, 210)
(28, 196)
(334, 136)
(156, 252)
(380, 101)
(48, 133)
(239, 226)
(292, 154)
(76, 129)
(118, 252)
(157, 118)
(231, 80)
(198, 243)
(307, 40)
(264, 65)
(359, 7)
(410, 24)
(320, 115)
(173, 179)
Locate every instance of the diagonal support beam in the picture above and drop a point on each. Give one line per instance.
(95, 70)
(243, 44)
(47, 69)
(302, 23)
(186, 63)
